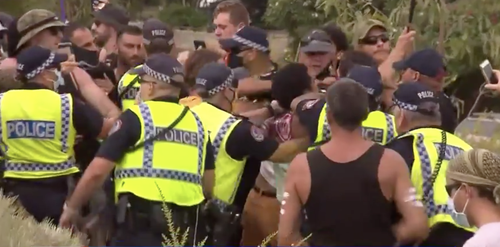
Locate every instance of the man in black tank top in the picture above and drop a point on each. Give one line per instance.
(347, 185)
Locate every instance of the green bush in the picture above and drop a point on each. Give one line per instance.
(184, 16)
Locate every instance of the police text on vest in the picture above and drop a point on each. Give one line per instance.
(178, 136)
(31, 129)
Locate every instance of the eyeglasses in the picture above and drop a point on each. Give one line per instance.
(373, 40)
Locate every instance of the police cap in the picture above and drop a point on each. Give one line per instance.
(34, 60)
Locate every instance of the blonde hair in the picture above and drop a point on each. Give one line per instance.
(478, 167)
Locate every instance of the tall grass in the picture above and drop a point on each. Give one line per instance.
(19, 229)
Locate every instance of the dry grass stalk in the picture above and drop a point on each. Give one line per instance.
(19, 229)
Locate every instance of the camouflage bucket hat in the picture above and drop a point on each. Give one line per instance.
(35, 21)
(361, 29)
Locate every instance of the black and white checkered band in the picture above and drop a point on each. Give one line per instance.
(250, 43)
(405, 106)
(227, 83)
(155, 74)
(42, 67)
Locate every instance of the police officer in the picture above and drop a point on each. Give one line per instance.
(163, 154)
(158, 38)
(427, 150)
(39, 127)
(214, 85)
(379, 126)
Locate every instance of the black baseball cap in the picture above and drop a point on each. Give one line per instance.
(410, 95)
(154, 28)
(163, 68)
(247, 37)
(113, 15)
(427, 62)
(34, 60)
(215, 77)
(316, 41)
(368, 77)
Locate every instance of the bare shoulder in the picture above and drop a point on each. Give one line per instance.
(299, 164)
(392, 162)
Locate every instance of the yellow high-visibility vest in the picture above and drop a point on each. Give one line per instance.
(228, 171)
(128, 98)
(170, 168)
(379, 127)
(426, 148)
(37, 134)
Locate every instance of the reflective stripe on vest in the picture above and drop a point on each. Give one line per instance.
(391, 129)
(65, 117)
(426, 148)
(217, 144)
(37, 167)
(426, 168)
(147, 170)
(228, 171)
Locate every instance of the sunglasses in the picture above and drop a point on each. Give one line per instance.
(451, 187)
(373, 40)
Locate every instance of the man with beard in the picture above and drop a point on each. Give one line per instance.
(156, 38)
(80, 36)
(108, 21)
(130, 50)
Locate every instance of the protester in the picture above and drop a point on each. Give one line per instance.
(427, 150)
(80, 36)
(108, 21)
(261, 213)
(473, 183)
(339, 38)
(427, 67)
(318, 180)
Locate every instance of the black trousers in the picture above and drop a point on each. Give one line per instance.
(41, 199)
(144, 227)
(446, 234)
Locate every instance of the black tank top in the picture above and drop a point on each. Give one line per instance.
(346, 206)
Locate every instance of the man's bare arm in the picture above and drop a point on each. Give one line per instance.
(413, 226)
(289, 149)
(94, 95)
(250, 86)
(290, 220)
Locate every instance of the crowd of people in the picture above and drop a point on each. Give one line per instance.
(352, 144)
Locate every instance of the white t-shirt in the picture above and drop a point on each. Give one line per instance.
(486, 236)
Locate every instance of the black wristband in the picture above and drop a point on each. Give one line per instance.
(271, 111)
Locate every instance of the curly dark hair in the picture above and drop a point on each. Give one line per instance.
(337, 36)
(290, 82)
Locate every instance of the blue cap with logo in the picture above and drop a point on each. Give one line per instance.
(368, 77)
(215, 77)
(427, 62)
(162, 67)
(410, 96)
(247, 37)
(34, 60)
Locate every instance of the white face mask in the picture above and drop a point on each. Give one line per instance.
(459, 217)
